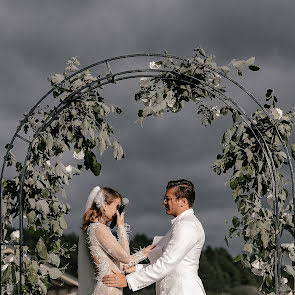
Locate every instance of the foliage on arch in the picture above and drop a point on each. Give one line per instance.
(82, 127)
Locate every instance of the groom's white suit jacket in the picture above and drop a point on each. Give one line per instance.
(175, 260)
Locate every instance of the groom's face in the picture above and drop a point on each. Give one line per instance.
(171, 203)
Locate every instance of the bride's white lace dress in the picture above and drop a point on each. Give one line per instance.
(107, 252)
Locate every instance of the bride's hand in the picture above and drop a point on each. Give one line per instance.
(146, 251)
(129, 269)
(120, 218)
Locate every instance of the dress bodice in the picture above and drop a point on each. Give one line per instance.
(107, 253)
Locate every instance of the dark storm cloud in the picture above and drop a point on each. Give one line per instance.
(38, 37)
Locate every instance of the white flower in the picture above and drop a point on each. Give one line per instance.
(289, 246)
(256, 264)
(154, 65)
(217, 111)
(72, 170)
(15, 235)
(144, 82)
(277, 113)
(48, 163)
(69, 169)
(79, 156)
(56, 78)
(284, 281)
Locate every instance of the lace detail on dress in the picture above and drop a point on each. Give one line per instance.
(100, 261)
(123, 232)
(107, 253)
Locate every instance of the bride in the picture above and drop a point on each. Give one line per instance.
(105, 252)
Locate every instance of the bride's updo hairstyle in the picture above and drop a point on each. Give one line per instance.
(93, 212)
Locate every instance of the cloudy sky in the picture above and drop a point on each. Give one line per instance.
(37, 38)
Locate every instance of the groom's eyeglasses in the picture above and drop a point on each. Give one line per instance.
(166, 199)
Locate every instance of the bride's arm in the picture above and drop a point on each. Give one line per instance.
(109, 243)
(122, 232)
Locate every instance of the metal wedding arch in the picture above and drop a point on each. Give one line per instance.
(113, 77)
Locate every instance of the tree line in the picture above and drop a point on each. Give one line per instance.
(218, 271)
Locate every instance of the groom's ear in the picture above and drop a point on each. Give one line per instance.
(184, 202)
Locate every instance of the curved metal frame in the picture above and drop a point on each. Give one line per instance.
(155, 73)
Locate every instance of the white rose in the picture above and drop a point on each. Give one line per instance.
(256, 264)
(72, 170)
(15, 235)
(79, 156)
(277, 113)
(217, 111)
(284, 281)
(154, 65)
(69, 169)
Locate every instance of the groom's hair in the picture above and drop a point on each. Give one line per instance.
(183, 189)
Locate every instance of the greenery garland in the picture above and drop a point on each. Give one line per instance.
(81, 127)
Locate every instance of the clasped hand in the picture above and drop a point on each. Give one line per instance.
(118, 279)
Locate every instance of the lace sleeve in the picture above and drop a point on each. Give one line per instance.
(109, 243)
(122, 232)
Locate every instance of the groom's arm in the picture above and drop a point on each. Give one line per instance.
(184, 237)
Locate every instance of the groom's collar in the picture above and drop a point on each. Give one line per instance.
(183, 214)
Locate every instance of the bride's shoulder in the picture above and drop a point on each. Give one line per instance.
(96, 225)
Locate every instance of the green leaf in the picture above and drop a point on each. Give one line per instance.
(235, 221)
(31, 217)
(41, 249)
(264, 238)
(224, 111)
(254, 68)
(54, 273)
(54, 259)
(235, 117)
(268, 281)
(290, 270)
(238, 258)
(96, 167)
(234, 184)
(7, 274)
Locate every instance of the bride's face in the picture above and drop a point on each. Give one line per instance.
(110, 210)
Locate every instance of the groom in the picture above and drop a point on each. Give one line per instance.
(175, 259)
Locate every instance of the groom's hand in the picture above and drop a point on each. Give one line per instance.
(116, 279)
